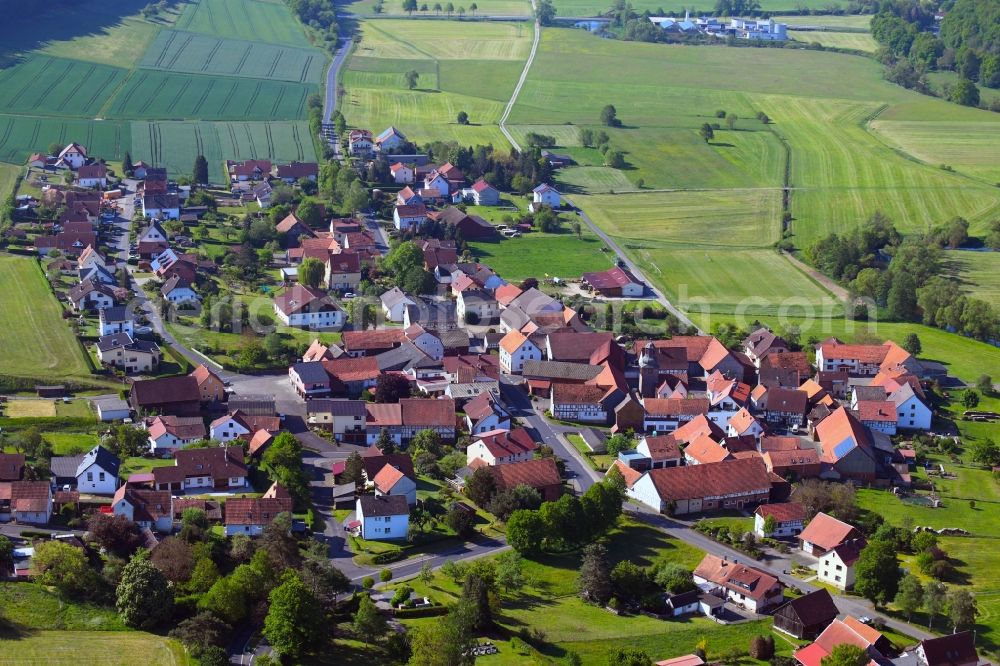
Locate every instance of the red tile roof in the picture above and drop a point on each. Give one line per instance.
(705, 450)
(348, 369)
(731, 477)
(255, 511)
(503, 443)
(752, 583)
(827, 532)
(428, 412)
(676, 406)
(354, 341)
(612, 278)
(538, 473)
(577, 394)
(783, 513)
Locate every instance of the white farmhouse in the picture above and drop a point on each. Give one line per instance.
(385, 517)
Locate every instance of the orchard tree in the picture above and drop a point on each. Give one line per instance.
(706, 132)
(609, 116)
(912, 344)
(962, 609)
(413, 75)
(910, 596)
(144, 598)
(525, 531)
(462, 118)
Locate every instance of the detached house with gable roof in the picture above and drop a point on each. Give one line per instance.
(251, 515)
(788, 519)
(499, 447)
(97, 472)
(485, 412)
(151, 509)
(732, 484)
(167, 434)
(515, 349)
(305, 307)
(216, 468)
(824, 533)
(391, 481)
(746, 587)
(382, 517)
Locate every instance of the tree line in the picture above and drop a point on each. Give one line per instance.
(907, 276)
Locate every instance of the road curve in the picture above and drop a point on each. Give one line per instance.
(520, 82)
(660, 298)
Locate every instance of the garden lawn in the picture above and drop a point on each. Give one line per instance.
(137, 465)
(65, 442)
(542, 255)
(27, 308)
(92, 648)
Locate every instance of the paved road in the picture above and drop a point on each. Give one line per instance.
(331, 79)
(660, 298)
(520, 83)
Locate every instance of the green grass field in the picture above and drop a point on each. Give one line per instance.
(57, 86)
(152, 94)
(8, 176)
(21, 136)
(469, 67)
(828, 21)
(542, 255)
(195, 53)
(92, 648)
(977, 272)
(957, 144)
(252, 20)
(176, 144)
(28, 310)
(858, 41)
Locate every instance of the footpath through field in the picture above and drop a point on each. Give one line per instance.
(520, 82)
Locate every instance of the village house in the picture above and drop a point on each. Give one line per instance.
(293, 172)
(73, 156)
(238, 424)
(394, 304)
(588, 403)
(705, 451)
(545, 195)
(744, 424)
(408, 216)
(515, 349)
(391, 481)
(538, 473)
(389, 140)
(477, 307)
(90, 295)
(161, 206)
(357, 344)
(484, 194)
(248, 170)
(210, 387)
(824, 533)
(499, 447)
(906, 394)
(176, 396)
(343, 271)
(345, 419)
(788, 517)
(864, 360)
(110, 408)
(836, 566)
(200, 470)
(167, 434)
(97, 472)
(359, 143)
(659, 451)
(744, 586)
(115, 320)
(783, 407)
(761, 343)
(309, 379)
(92, 176)
(306, 307)
(150, 509)
(382, 517)
(251, 516)
(122, 351)
(350, 376)
(401, 174)
(28, 502)
(485, 413)
(733, 484)
(292, 230)
(849, 631)
(179, 291)
(615, 283)
(807, 616)
(472, 227)
(670, 414)
(957, 649)
(793, 464)
(847, 447)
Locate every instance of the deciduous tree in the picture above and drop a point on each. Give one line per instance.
(143, 599)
